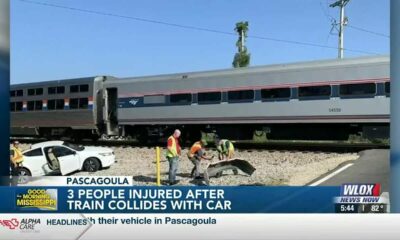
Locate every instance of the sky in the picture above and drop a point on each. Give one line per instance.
(49, 43)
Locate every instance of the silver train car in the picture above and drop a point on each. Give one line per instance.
(328, 99)
(55, 108)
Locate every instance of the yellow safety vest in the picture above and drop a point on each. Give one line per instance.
(222, 148)
(17, 157)
(172, 150)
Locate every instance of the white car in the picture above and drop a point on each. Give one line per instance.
(52, 157)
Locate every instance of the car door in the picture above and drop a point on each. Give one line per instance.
(67, 158)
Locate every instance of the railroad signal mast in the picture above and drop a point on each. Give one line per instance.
(342, 24)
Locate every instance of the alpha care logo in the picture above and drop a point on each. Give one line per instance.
(12, 223)
(24, 224)
(29, 224)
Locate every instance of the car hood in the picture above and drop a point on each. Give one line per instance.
(97, 149)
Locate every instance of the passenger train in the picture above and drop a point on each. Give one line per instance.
(318, 100)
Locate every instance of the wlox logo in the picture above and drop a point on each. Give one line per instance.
(134, 101)
(12, 223)
(360, 190)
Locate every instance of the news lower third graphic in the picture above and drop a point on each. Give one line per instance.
(84, 198)
(361, 198)
(36, 199)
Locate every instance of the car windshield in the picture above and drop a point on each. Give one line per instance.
(74, 146)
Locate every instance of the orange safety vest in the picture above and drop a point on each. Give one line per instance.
(196, 147)
(17, 157)
(172, 151)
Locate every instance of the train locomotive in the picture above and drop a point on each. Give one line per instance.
(316, 100)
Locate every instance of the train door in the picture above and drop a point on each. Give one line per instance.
(110, 111)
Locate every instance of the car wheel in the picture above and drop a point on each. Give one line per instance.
(91, 165)
(23, 175)
(22, 172)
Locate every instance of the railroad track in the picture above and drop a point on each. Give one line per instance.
(323, 146)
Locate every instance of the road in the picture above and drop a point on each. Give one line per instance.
(373, 166)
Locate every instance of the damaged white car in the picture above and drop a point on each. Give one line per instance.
(54, 157)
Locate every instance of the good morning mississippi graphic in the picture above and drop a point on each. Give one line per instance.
(36, 199)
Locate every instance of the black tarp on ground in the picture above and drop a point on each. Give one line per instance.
(235, 164)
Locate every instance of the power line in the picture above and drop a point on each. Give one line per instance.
(188, 26)
(368, 31)
(325, 12)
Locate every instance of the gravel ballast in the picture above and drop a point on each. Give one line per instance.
(293, 168)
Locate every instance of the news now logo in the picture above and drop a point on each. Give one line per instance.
(361, 190)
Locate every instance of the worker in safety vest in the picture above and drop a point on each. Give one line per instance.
(173, 153)
(195, 155)
(226, 151)
(16, 158)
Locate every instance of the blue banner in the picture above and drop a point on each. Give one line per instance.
(140, 199)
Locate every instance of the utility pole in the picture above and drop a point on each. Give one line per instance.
(342, 24)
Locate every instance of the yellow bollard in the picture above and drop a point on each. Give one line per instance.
(158, 166)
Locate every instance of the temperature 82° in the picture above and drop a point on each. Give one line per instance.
(377, 208)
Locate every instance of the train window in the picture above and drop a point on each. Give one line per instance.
(35, 91)
(31, 92)
(18, 106)
(31, 105)
(59, 104)
(51, 104)
(19, 93)
(184, 98)
(38, 105)
(79, 88)
(84, 88)
(78, 103)
(358, 89)
(83, 103)
(209, 97)
(154, 99)
(275, 93)
(34, 105)
(387, 87)
(315, 91)
(60, 90)
(56, 90)
(52, 90)
(243, 95)
(34, 152)
(55, 104)
(12, 93)
(74, 103)
(74, 88)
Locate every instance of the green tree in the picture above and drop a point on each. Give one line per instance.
(242, 57)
